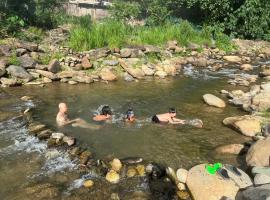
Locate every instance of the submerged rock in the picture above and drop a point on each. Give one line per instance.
(214, 101)
(116, 165)
(231, 149)
(88, 183)
(112, 176)
(246, 67)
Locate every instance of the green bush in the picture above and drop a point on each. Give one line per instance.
(125, 10)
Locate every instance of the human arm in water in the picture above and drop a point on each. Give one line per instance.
(101, 117)
(174, 120)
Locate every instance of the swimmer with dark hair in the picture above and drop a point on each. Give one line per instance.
(130, 116)
(105, 114)
(169, 118)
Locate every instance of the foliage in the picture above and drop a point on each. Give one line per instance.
(125, 10)
(46, 58)
(13, 60)
(239, 18)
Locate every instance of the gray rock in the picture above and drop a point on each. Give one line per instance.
(128, 77)
(3, 64)
(27, 62)
(261, 170)
(242, 181)
(20, 51)
(54, 66)
(4, 50)
(261, 179)
(19, 72)
(28, 46)
(125, 53)
(82, 79)
(255, 193)
(110, 62)
(98, 53)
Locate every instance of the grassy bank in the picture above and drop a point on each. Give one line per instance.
(111, 33)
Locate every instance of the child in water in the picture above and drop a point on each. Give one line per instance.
(130, 116)
(169, 118)
(105, 114)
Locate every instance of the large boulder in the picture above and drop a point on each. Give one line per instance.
(232, 59)
(201, 62)
(107, 75)
(261, 101)
(259, 153)
(247, 125)
(54, 66)
(255, 193)
(27, 62)
(19, 72)
(204, 186)
(214, 101)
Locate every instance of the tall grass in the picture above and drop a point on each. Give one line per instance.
(113, 33)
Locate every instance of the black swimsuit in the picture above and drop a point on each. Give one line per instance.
(155, 119)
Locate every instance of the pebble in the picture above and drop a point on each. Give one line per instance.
(88, 183)
(112, 176)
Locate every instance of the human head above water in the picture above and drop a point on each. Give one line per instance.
(130, 113)
(172, 112)
(63, 107)
(106, 110)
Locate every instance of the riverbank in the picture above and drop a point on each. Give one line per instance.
(250, 64)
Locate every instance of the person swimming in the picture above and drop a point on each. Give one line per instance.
(130, 116)
(105, 114)
(62, 115)
(169, 117)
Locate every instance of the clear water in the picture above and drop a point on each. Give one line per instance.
(23, 159)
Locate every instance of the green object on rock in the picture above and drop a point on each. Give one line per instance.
(212, 168)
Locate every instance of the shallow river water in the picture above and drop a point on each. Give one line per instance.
(22, 158)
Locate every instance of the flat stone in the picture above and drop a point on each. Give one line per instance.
(214, 101)
(9, 82)
(47, 74)
(261, 179)
(88, 183)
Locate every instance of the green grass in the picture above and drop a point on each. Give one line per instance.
(46, 58)
(111, 33)
(13, 60)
